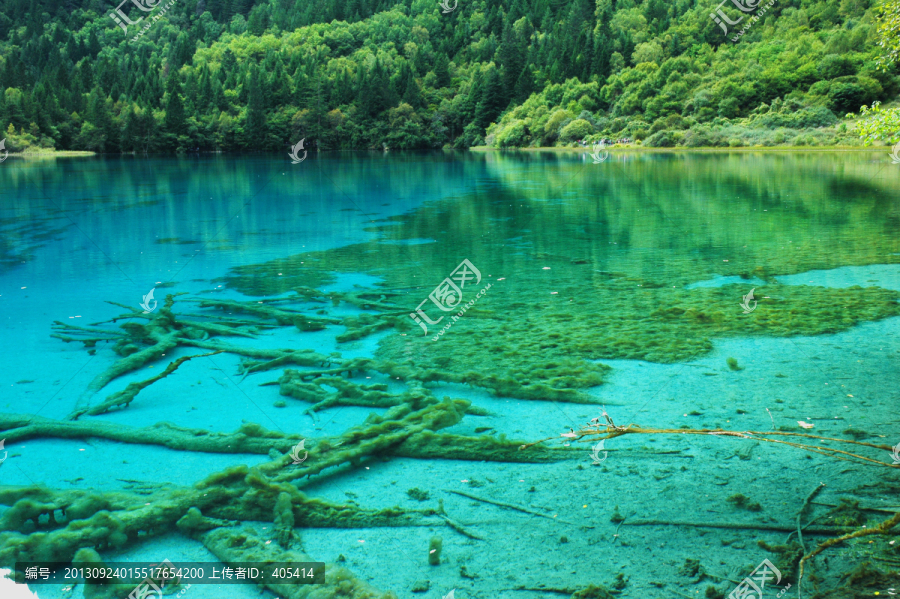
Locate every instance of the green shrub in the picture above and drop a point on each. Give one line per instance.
(846, 97)
(556, 121)
(661, 139)
(618, 124)
(634, 126)
(820, 88)
(705, 114)
(675, 121)
(810, 116)
(729, 107)
(701, 136)
(577, 129)
(836, 65)
(587, 102)
(513, 136)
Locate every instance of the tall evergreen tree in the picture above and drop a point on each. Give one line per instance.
(98, 115)
(512, 58)
(493, 99)
(442, 70)
(315, 103)
(93, 43)
(86, 74)
(524, 86)
(182, 51)
(255, 128)
(204, 91)
(174, 122)
(411, 94)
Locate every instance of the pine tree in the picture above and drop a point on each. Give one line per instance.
(492, 99)
(182, 51)
(376, 94)
(524, 86)
(602, 53)
(512, 58)
(14, 114)
(73, 50)
(383, 95)
(174, 122)
(256, 24)
(86, 74)
(93, 43)
(241, 7)
(411, 94)
(216, 9)
(279, 88)
(255, 127)
(190, 93)
(318, 110)
(442, 70)
(467, 109)
(99, 116)
(516, 11)
(204, 91)
(343, 89)
(130, 134)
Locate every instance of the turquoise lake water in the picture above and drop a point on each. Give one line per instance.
(474, 303)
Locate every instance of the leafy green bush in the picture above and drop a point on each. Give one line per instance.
(577, 129)
(836, 65)
(26, 141)
(512, 136)
(845, 97)
(810, 116)
(634, 126)
(661, 139)
(816, 116)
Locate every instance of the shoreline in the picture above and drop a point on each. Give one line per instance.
(639, 149)
(628, 148)
(49, 153)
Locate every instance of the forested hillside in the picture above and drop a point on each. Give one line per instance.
(245, 74)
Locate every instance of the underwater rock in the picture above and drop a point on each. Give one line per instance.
(434, 551)
(417, 494)
(742, 502)
(593, 592)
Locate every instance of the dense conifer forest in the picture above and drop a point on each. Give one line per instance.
(341, 74)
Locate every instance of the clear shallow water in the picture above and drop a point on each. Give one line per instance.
(628, 273)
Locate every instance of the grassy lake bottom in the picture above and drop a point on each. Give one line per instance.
(489, 375)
